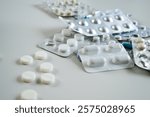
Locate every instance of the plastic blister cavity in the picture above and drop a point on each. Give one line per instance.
(64, 44)
(106, 22)
(105, 57)
(141, 52)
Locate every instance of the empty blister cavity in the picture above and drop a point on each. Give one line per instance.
(26, 60)
(116, 27)
(47, 78)
(96, 21)
(90, 50)
(113, 47)
(29, 94)
(28, 77)
(118, 17)
(58, 37)
(125, 25)
(108, 19)
(83, 23)
(103, 30)
(46, 67)
(91, 31)
(95, 62)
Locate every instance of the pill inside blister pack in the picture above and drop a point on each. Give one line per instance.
(65, 43)
(68, 7)
(141, 52)
(99, 23)
(105, 57)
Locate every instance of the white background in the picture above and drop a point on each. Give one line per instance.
(23, 25)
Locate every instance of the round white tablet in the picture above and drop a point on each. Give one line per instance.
(66, 32)
(64, 48)
(47, 78)
(29, 95)
(41, 55)
(28, 77)
(26, 60)
(46, 67)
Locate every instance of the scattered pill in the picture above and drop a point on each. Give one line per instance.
(41, 55)
(26, 60)
(28, 77)
(29, 94)
(47, 78)
(46, 67)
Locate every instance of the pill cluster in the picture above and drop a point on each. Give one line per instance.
(141, 52)
(107, 39)
(67, 8)
(111, 56)
(45, 75)
(65, 43)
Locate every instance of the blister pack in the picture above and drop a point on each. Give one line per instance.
(67, 8)
(141, 52)
(105, 57)
(103, 22)
(65, 43)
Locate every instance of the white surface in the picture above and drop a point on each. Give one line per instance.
(23, 25)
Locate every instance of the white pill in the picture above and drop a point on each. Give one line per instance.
(122, 59)
(92, 49)
(47, 78)
(96, 40)
(140, 46)
(113, 47)
(29, 95)
(28, 77)
(41, 55)
(138, 40)
(26, 60)
(66, 32)
(79, 37)
(64, 48)
(96, 62)
(72, 43)
(58, 37)
(46, 67)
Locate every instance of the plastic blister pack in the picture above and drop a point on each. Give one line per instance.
(67, 8)
(141, 52)
(65, 43)
(99, 23)
(105, 57)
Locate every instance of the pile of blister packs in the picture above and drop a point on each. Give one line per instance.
(101, 40)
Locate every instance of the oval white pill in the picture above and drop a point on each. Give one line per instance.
(47, 78)
(29, 95)
(140, 46)
(28, 77)
(46, 67)
(41, 55)
(64, 48)
(96, 62)
(58, 37)
(121, 59)
(66, 32)
(26, 60)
